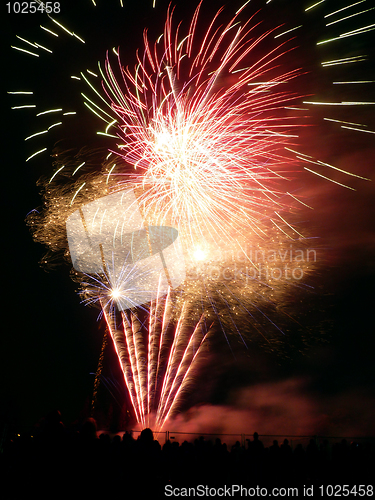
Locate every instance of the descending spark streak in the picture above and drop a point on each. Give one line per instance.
(36, 134)
(24, 50)
(24, 106)
(179, 375)
(318, 162)
(140, 364)
(164, 326)
(346, 60)
(344, 8)
(348, 17)
(173, 355)
(358, 129)
(363, 29)
(75, 194)
(153, 351)
(136, 355)
(55, 125)
(132, 386)
(314, 5)
(57, 171)
(122, 354)
(34, 154)
(345, 123)
(328, 179)
(342, 103)
(358, 31)
(151, 337)
(288, 31)
(178, 392)
(49, 31)
(49, 111)
(44, 48)
(352, 82)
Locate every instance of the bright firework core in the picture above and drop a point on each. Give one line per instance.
(116, 294)
(199, 254)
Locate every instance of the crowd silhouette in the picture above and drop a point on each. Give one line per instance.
(56, 461)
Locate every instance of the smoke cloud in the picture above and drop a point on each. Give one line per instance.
(286, 408)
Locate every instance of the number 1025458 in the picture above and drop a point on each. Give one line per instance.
(33, 7)
(346, 490)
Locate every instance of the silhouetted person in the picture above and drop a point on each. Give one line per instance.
(324, 459)
(146, 436)
(286, 449)
(273, 462)
(299, 463)
(256, 457)
(312, 458)
(51, 430)
(274, 453)
(89, 430)
(256, 447)
(286, 456)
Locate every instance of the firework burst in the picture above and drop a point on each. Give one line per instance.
(204, 128)
(199, 130)
(203, 122)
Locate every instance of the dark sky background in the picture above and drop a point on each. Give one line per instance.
(322, 377)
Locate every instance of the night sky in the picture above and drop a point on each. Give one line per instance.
(319, 378)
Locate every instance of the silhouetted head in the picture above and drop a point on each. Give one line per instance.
(89, 429)
(127, 436)
(146, 435)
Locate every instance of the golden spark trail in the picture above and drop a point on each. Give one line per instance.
(132, 351)
(182, 383)
(178, 373)
(171, 361)
(122, 354)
